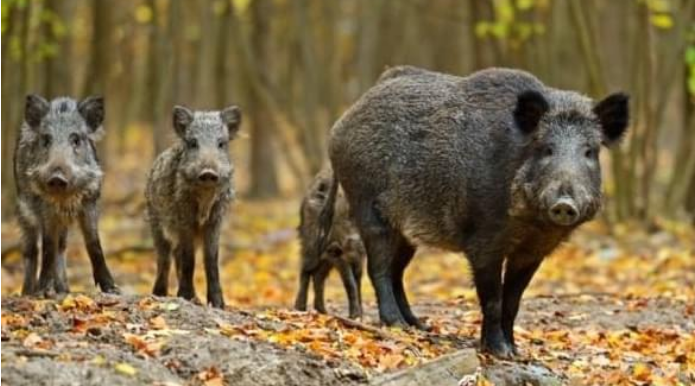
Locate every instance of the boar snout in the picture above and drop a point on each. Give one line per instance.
(208, 177)
(564, 212)
(57, 182)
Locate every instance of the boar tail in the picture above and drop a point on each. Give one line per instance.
(327, 213)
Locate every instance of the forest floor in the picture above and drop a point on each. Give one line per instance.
(611, 307)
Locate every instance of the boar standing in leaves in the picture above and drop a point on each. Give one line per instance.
(342, 250)
(496, 164)
(58, 181)
(188, 191)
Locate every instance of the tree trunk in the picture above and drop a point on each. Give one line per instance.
(154, 109)
(13, 91)
(58, 74)
(264, 179)
(222, 57)
(99, 69)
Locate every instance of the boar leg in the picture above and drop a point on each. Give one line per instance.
(403, 257)
(61, 276)
(487, 275)
(30, 254)
(184, 253)
(357, 273)
(90, 232)
(346, 275)
(304, 278)
(382, 244)
(163, 249)
(320, 275)
(49, 252)
(517, 275)
(211, 262)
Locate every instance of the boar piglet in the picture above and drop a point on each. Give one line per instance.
(496, 165)
(342, 248)
(58, 181)
(188, 192)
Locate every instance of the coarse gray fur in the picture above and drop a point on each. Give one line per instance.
(495, 164)
(58, 180)
(188, 192)
(342, 249)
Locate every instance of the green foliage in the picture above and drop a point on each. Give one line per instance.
(508, 24)
(690, 61)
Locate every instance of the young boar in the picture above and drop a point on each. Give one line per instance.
(496, 164)
(342, 250)
(188, 191)
(59, 181)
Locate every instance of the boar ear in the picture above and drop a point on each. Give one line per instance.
(92, 110)
(231, 117)
(613, 113)
(35, 109)
(182, 118)
(530, 107)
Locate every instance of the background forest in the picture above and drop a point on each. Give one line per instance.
(294, 66)
(613, 306)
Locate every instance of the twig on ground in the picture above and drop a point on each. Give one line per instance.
(380, 333)
(36, 353)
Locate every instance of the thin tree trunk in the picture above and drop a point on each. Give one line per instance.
(264, 178)
(13, 90)
(58, 78)
(154, 109)
(99, 69)
(222, 86)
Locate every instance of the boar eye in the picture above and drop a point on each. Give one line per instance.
(75, 140)
(221, 144)
(590, 153)
(547, 151)
(46, 140)
(192, 143)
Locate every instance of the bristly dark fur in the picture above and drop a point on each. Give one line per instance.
(188, 192)
(340, 248)
(56, 145)
(495, 164)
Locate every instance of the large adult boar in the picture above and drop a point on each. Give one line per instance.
(342, 249)
(58, 182)
(496, 165)
(188, 191)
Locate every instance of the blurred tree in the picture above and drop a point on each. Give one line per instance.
(295, 66)
(58, 76)
(263, 167)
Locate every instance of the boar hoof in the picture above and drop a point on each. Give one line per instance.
(422, 326)
(216, 301)
(46, 291)
(62, 287)
(111, 289)
(498, 349)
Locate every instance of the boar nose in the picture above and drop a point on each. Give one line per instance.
(57, 182)
(208, 176)
(564, 212)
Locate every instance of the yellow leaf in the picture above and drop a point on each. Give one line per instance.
(391, 361)
(662, 20)
(143, 14)
(125, 368)
(158, 323)
(241, 5)
(641, 372)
